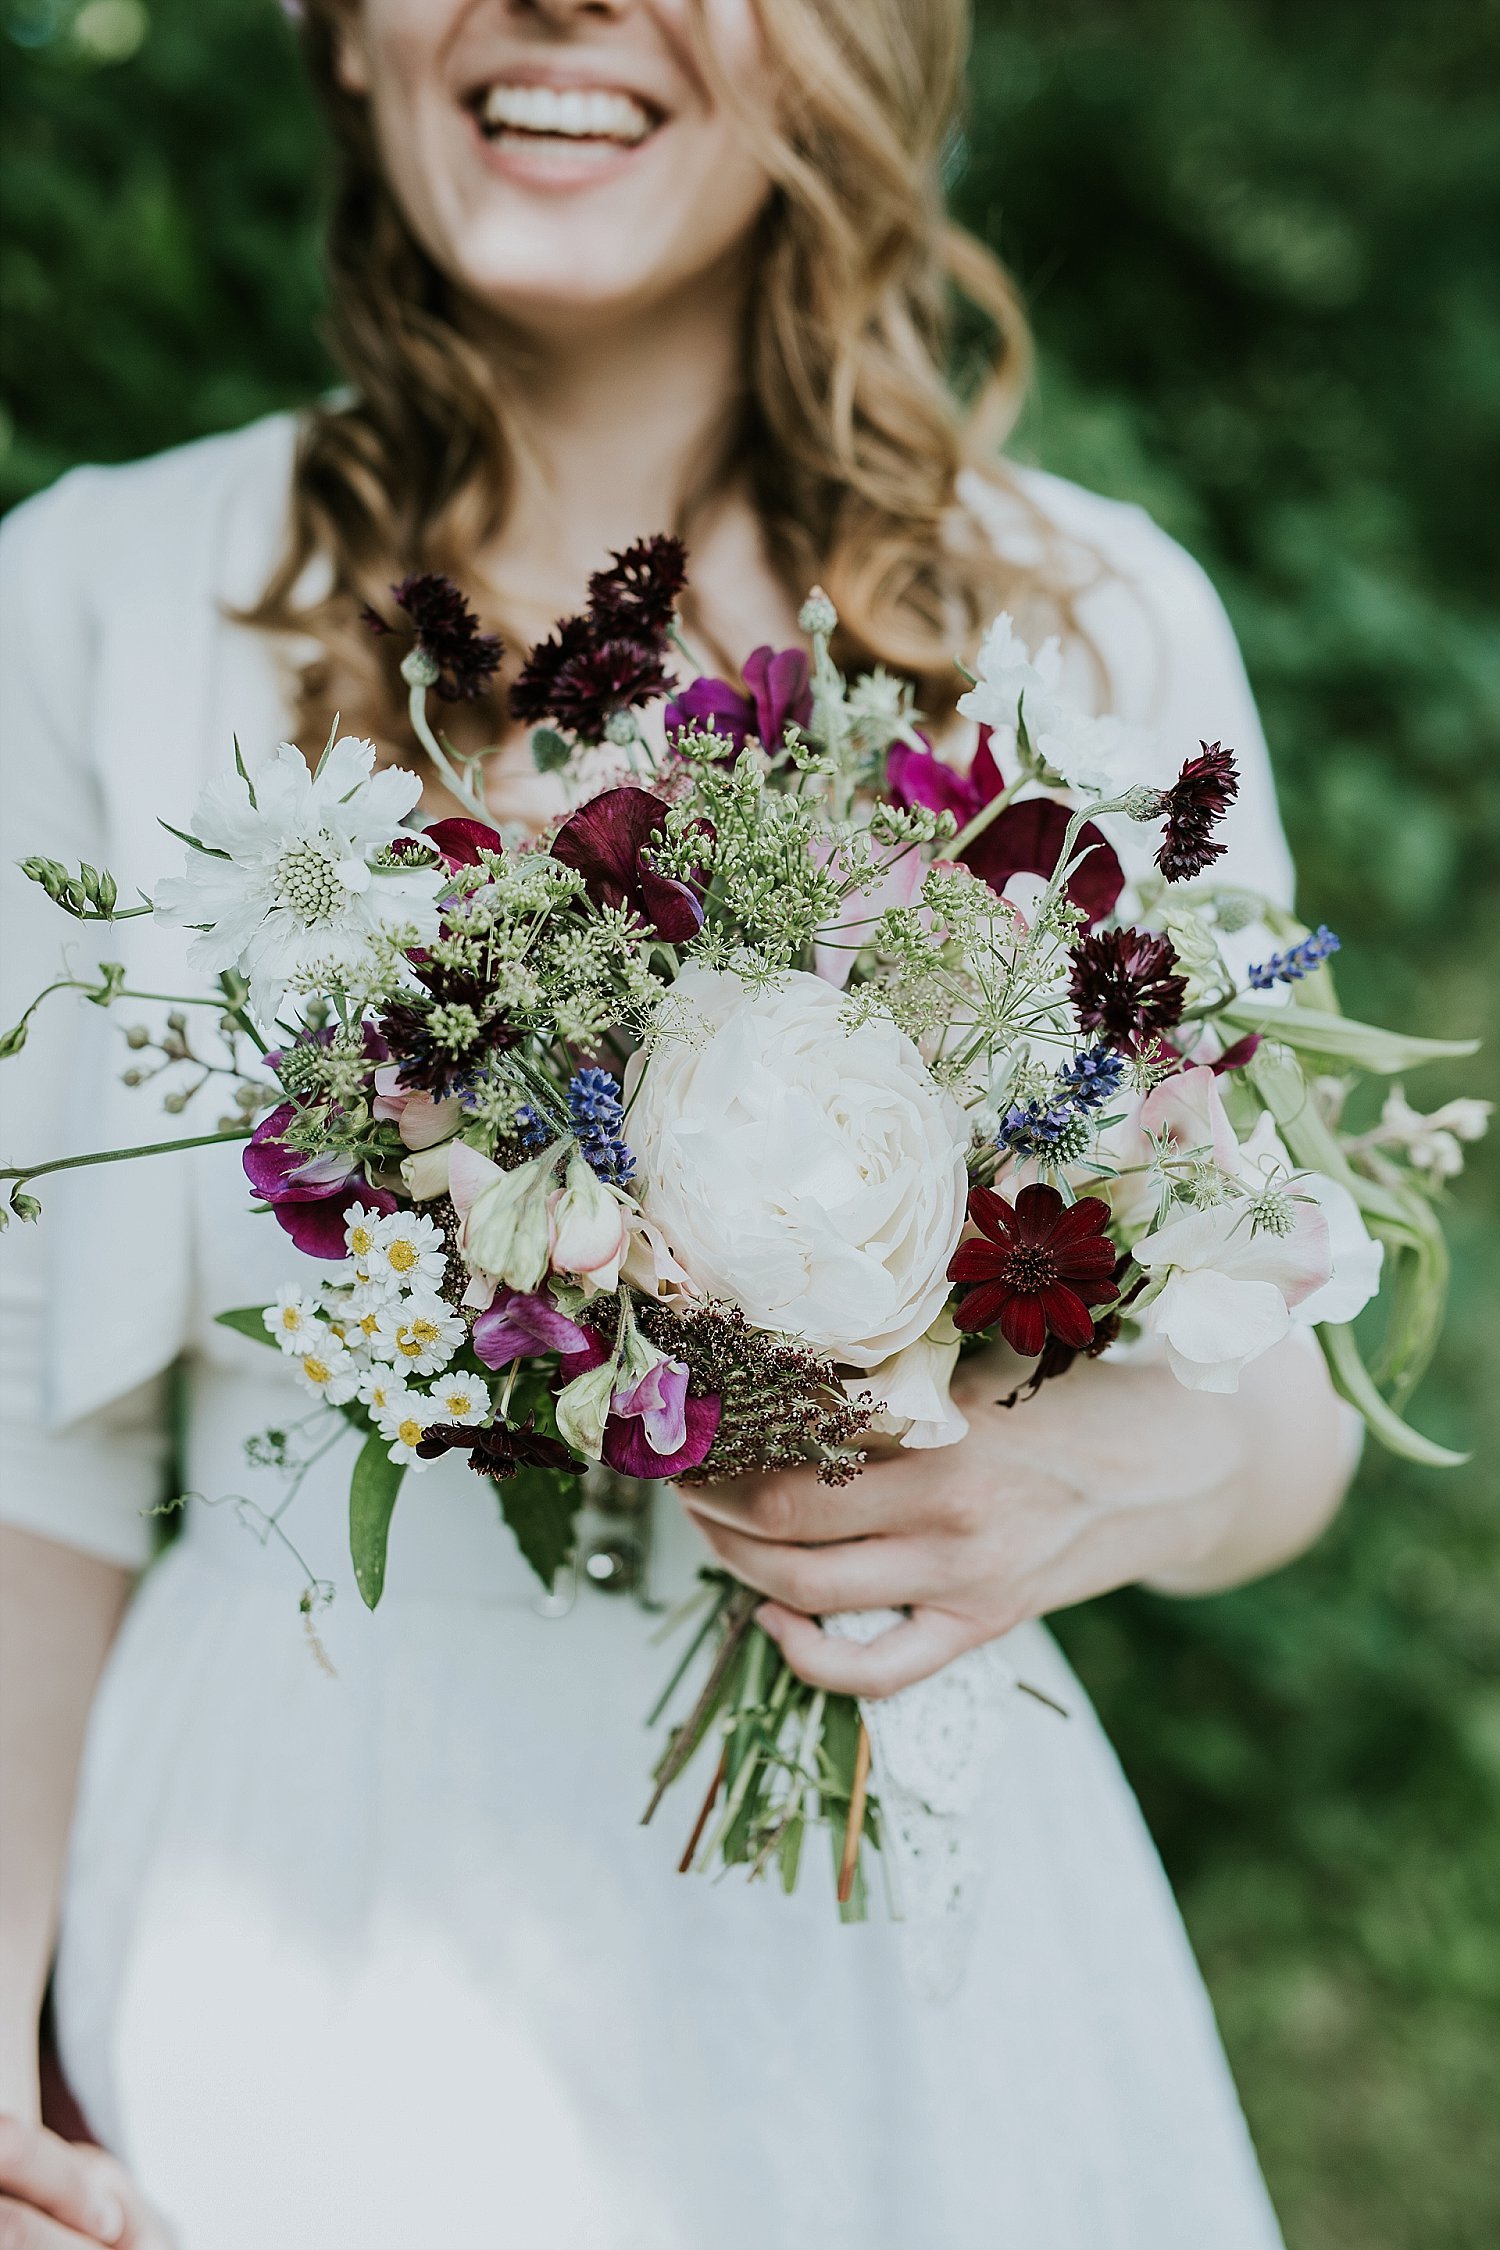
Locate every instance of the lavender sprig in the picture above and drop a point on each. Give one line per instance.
(1297, 962)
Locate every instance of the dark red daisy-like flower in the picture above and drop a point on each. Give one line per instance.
(609, 841)
(1125, 987)
(1196, 802)
(581, 680)
(446, 630)
(1039, 1267)
(637, 595)
(500, 1450)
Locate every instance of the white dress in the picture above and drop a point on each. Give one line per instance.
(363, 1947)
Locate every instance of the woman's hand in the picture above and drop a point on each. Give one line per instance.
(58, 2196)
(1111, 1474)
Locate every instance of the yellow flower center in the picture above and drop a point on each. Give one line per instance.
(410, 1432)
(361, 1242)
(402, 1256)
(316, 1370)
(291, 1318)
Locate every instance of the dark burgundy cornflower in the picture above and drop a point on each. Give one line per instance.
(446, 630)
(443, 1043)
(581, 680)
(500, 1450)
(1041, 1265)
(778, 694)
(636, 597)
(608, 840)
(1196, 802)
(1125, 987)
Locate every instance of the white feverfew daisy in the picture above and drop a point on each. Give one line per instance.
(418, 1335)
(323, 1367)
(405, 1419)
(409, 1251)
(293, 869)
(359, 1237)
(381, 1389)
(460, 1399)
(293, 1318)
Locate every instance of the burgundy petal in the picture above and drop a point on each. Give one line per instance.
(779, 681)
(1023, 1324)
(982, 1308)
(1236, 1057)
(984, 775)
(461, 841)
(318, 1228)
(603, 839)
(1027, 839)
(992, 1215)
(628, 1450)
(670, 907)
(280, 1174)
(1037, 1211)
(976, 1261)
(1067, 1316)
(1089, 1215)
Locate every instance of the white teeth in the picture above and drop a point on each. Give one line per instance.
(575, 113)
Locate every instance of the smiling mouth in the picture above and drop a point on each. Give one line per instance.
(585, 118)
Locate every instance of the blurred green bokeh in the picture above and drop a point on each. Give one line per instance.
(1259, 242)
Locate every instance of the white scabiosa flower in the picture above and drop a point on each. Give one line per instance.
(418, 1335)
(323, 1367)
(293, 1319)
(408, 1253)
(292, 870)
(461, 1399)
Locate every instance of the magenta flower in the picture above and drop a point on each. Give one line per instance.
(608, 841)
(779, 694)
(659, 1406)
(524, 1324)
(1025, 839)
(310, 1196)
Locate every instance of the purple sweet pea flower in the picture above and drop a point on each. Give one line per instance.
(522, 1323)
(779, 693)
(310, 1196)
(650, 1407)
(921, 777)
(608, 840)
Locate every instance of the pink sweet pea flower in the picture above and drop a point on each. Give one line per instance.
(627, 1443)
(420, 1121)
(524, 1324)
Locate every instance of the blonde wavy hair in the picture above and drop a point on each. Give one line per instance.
(852, 430)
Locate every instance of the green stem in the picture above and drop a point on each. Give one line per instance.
(416, 704)
(118, 1155)
(983, 817)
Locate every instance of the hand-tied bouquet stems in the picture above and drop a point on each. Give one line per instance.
(702, 1134)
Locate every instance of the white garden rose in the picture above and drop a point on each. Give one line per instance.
(812, 1174)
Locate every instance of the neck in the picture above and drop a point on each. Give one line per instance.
(616, 428)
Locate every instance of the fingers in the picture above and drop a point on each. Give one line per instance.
(796, 1509)
(909, 1652)
(854, 1574)
(24, 2227)
(44, 2172)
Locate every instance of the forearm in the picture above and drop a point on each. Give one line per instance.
(59, 1611)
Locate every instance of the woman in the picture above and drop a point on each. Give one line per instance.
(360, 1941)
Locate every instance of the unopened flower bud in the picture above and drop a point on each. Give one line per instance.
(137, 1036)
(419, 670)
(13, 1040)
(26, 1207)
(620, 729)
(174, 1104)
(1144, 804)
(817, 614)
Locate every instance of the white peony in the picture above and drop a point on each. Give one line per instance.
(812, 1174)
(292, 876)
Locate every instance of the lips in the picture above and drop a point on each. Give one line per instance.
(564, 113)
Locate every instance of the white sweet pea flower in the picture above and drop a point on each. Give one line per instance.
(1007, 672)
(912, 1386)
(1230, 1286)
(1357, 1256)
(589, 1232)
(811, 1173)
(292, 869)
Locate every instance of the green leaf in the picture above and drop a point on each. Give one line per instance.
(372, 1497)
(1319, 1031)
(1352, 1381)
(541, 1506)
(194, 843)
(248, 1320)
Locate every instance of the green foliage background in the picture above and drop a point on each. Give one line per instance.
(1258, 238)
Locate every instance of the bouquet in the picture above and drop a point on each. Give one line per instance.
(703, 1133)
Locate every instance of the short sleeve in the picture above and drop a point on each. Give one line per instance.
(89, 1484)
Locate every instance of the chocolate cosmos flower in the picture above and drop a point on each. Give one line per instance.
(501, 1450)
(447, 631)
(1125, 987)
(608, 841)
(1196, 802)
(1042, 1264)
